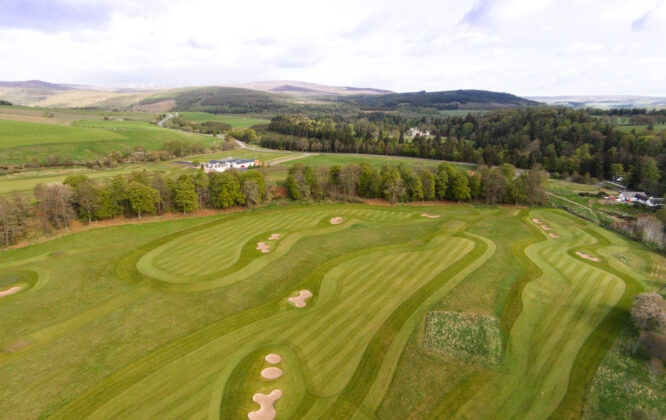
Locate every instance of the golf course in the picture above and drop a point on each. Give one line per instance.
(318, 311)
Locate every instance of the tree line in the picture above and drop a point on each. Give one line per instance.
(563, 141)
(139, 194)
(401, 183)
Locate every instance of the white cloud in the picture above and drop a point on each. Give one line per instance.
(528, 47)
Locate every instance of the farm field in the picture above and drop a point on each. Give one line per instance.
(174, 319)
(94, 138)
(235, 121)
(26, 181)
(243, 154)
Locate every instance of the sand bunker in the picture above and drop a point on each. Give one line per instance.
(271, 373)
(17, 345)
(554, 235)
(10, 291)
(336, 220)
(263, 247)
(267, 411)
(274, 237)
(537, 221)
(546, 227)
(430, 216)
(587, 257)
(273, 358)
(299, 301)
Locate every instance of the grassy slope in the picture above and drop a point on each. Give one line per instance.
(27, 181)
(83, 140)
(188, 340)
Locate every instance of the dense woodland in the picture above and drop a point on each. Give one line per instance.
(402, 184)
(447, 100)
(563, 141)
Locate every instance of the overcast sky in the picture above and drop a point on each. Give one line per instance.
(526, 47)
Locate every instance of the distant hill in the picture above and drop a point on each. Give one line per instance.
(259, 97)
(220, 100)
(307, 89)
(35, 84)
(604, 102)
(453, 99)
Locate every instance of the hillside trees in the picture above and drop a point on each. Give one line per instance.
(142, 198)
(225, 190)
(564, 142)
(185, 196)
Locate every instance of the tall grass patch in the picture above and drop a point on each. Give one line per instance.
(470, 337)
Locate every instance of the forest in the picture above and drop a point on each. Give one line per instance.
(564, 142)
(403, 184)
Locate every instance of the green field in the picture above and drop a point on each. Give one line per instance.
(26, 181)
(235, 121)
(89, 139)
(173, 319)
(375, 160)
(243, 154)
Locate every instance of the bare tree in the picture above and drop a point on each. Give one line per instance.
(86, 197)
(649, 312)
(396, 189)
(535, 186)
(7, 220)
(349, 178)
(651, 230)
(54, 205)
(251, 191)
(494, 186)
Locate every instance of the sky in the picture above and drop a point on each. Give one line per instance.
(526, 47)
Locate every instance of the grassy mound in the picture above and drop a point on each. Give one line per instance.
(470, 337)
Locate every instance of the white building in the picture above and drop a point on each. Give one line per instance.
(640, 197)
(412, 132)
(222, 165)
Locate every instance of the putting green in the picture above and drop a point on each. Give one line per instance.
(178, 316)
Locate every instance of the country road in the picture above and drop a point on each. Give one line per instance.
(169, 116)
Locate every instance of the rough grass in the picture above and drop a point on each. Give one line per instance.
(625, 386)
(470, 337)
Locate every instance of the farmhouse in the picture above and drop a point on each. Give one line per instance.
(630, 196)
(222, 165)
(654, 202)
(413, 132)
(640, 197)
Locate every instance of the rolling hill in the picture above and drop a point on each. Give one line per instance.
(604, 102)
(309, 89)
(454, 99)
(260, 97)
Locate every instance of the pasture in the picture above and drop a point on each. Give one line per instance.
(92, 138)
(175, 319)
(235, 121)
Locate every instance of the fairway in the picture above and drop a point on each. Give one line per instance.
(374, 160)
(177, 319)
